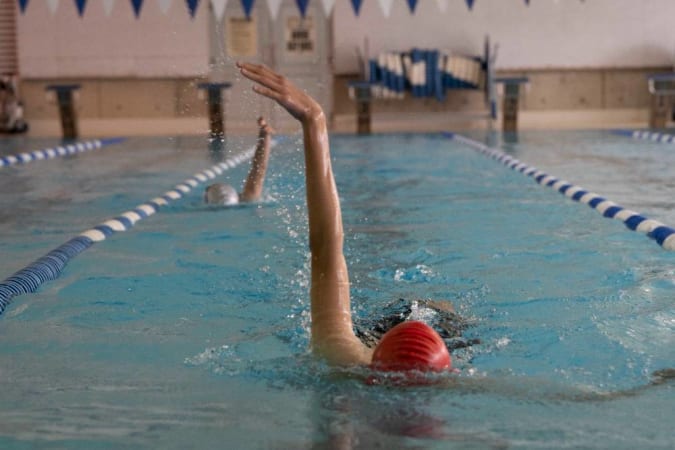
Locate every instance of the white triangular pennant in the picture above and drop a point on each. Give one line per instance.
(164, 5)
(274, 7)
(442, 5)
(219, 8)
(108, 6)
(52, 5)
(385, 6)
(327, 6)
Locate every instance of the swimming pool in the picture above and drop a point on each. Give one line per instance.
(190, 329)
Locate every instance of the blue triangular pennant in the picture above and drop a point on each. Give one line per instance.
(412, 4)
(192, 6)
(356, 4)
(80, 6)
(302, 6)
(137, 5)
(22, 5)
(248, 6)
(469, 3)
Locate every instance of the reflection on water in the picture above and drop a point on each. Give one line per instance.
(353, 418)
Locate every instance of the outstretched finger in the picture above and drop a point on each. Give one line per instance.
(261, 78)
(261, 70)
(258, 68)
(267, 92)
(253, 67)
(264, 126)
(250, 68)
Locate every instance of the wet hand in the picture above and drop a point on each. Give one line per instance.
(278, 88)
(265, 128)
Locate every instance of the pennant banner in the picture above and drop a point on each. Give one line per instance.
(248, 7)
(302, 6)
(53, 5)
(108, 6)
(274, 6)
(219, 8)
(356, 4)
(80, 6)
(385, 6)
(137, 5)
(327, 6)
(164, 6)
(192, 7)
(412, 4)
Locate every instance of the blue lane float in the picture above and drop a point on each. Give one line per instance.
(662, 234)
(647, 135)
(58, 151)
(50, 266)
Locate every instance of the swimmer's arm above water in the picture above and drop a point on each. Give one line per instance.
(333, 337)
(256, 176)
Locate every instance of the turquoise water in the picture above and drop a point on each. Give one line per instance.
(190, 329)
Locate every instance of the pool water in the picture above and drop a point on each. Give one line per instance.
(191, 329)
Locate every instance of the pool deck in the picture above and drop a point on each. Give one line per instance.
(346, 123)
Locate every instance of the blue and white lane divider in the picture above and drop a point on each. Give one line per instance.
(50, 266)
(647, 135)
(54, 152)
(662, 234)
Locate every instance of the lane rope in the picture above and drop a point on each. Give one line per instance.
(647, 135)
(661, 233)
(58, 151)
(50, 266)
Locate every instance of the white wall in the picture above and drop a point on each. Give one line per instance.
(547, 34)
(119, 45)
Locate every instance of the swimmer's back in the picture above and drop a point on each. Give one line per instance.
(437, 314)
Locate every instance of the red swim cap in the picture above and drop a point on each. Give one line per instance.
(411, 345)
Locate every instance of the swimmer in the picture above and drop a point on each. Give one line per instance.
(226, 195)
(410, 345)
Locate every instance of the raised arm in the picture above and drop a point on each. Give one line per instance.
(256, 176)
(332, 334)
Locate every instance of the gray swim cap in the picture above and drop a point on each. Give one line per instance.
(221, 194)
